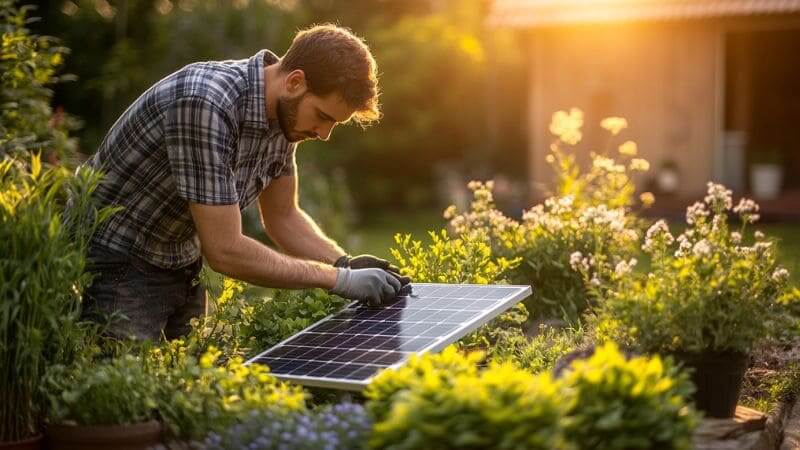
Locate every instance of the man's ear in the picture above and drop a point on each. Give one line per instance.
(296, 82)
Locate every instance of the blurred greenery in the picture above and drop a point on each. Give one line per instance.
(433, 56)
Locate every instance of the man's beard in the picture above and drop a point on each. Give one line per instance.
(287, 118)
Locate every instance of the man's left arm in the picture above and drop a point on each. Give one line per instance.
(294, 231)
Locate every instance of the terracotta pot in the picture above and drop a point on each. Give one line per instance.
(138, 436)
(32, 443)
(718, 378)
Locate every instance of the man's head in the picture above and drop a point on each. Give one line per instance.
(330, 77)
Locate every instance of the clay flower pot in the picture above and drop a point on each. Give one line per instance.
(139, 436)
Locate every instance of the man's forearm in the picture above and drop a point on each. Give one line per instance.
(298, 235)
(251, 261)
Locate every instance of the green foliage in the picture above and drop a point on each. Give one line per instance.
(628, 404)
(286, 313)
(239, 323)
(28, 65)
(466, 259)
(119, 391)
(441, 369)
(196, 396)
(502, 407)
(42, 275)
(540, 353)
(705, 291)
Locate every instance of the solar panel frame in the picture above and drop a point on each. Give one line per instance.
(438, 344)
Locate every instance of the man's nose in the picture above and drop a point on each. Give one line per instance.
(324, 132)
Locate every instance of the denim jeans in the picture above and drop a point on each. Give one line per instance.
(140, 300)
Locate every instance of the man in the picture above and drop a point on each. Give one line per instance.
(202, 144)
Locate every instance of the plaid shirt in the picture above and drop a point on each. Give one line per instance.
(199, 135)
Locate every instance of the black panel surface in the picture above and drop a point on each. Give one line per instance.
(347, 349)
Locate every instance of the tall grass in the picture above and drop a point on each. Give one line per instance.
(42, 274)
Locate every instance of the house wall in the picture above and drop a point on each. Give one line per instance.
(666, 79)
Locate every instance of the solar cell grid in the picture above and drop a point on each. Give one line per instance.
(345, 350)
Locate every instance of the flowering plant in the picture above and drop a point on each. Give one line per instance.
(588, 213)
(344, 426)
(710, 289)
(198, 395)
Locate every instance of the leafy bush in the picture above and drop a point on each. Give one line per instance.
(628, 404)
(705, 290)
(343, 426)
(196, 397)
(286, 313)
(42, 275)
(28, 64)
(465, 259)
(540, 353)
(502, 407)
(240, 323)
(439, 368)
(588, 213)
(115, 392)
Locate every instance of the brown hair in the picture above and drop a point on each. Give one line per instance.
(335, 60)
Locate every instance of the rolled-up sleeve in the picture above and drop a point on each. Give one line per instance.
(200, 140)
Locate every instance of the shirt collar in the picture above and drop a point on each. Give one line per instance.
(257, 107)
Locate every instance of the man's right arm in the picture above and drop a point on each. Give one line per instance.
(230, 252)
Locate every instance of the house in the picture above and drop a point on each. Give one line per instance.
(711, 87)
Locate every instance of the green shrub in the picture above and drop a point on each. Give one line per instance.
(42, 275)
(28, 64)
(465, 259)
(502, 407)
(540, 353)
(196, 396)
(115, 392)
(628, 404)
(239, 323)
(439, 368)
(286, 313)
(705, 290)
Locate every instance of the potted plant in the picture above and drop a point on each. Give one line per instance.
(110, 404)
(708, 297)
(766, 174)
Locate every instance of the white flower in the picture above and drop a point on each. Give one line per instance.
(575, 261)
(701, 248)
(567, 126)
(695, 213)
(719, 196)
(594, 281)
(614, 124)
(736, 237)
(624, 268)
(629, 148)
(658, 232)
(758, 235)
(450, 212)
(780, 275)
(607, 164)
(746, 206)
(640, 164)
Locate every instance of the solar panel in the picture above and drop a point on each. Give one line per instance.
(347, 349)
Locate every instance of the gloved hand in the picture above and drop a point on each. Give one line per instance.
(372, 286)
(369, 261)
